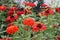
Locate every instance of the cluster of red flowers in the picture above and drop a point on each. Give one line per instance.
(46, 13)
(48, 10)
(14, 13)
(35, 26)
(58, 10)
(11, 17)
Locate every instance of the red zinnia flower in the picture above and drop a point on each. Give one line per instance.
(49, 12)
(46, 13)
(10, 19)
(13, 8)
(12, 29)
(58, 38)
(38, 26)
(10, 13)
(19, 13)
(57, 10)
(3, 8)
(28, 21)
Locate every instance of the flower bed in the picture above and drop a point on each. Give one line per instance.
(27, 24)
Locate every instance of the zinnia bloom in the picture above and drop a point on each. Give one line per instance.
(12, 29)
(10, 19)
(58, 38)
(57, 10)
(3, 8)
(49, 12)
(28, 21)
(38, 27)
(10, 13)
(46, 13)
